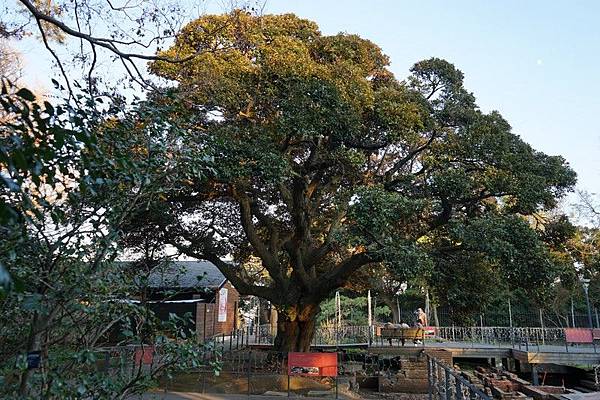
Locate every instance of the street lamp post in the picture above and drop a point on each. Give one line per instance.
(586, 285)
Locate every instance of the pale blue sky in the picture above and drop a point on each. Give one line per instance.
(534, 61)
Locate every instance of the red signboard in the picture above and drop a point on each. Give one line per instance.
(144, 355)
(429, 331)
(578, 335)
(312, 364)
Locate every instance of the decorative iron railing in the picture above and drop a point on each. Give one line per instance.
(362, 335)
(345, 334)
(517, 336)
(447, 384)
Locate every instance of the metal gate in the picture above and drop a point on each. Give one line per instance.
(447, 384)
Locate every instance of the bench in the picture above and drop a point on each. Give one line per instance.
(579, 336)
(402, 334)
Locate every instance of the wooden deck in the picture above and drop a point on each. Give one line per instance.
(530, 353)
(535, 355)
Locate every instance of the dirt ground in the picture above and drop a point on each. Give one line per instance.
(207, 386)
(200, 396)
(394, 396)
(227, 383)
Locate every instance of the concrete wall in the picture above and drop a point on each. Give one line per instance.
(412, 375)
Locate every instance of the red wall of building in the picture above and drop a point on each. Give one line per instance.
(207, 323)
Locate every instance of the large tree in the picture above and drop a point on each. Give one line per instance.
(326, 163)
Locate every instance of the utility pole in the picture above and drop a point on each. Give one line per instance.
(586, 286)
(510, 322)
(369, 315)
(427, 304)
(338, 316)
(572, 313)
(338, 309)
(374, 315)
(542, 326)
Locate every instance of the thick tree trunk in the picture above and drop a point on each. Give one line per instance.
(265, 312)
(296, 328)
(390, 301)
(395, 314)
(33, 344)
(436, 320)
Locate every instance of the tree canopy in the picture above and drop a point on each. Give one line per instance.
(325, 163)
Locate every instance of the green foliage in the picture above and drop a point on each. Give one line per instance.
(327, 163)
(72, 177)
(511, 243)
(354, 311)
(466, 285)
(36, 146)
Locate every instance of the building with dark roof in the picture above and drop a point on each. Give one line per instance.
(197, 287)
(184, 279)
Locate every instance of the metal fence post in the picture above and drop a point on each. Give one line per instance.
(438, 381)
(535, 380)
(458, 388)
(378, 376)
(481, 324)
(249, 366)
(433, 379)
(429, 378)
(472, 394)
(257, 334)
(447, 384)
(542, 325)
(337, 371)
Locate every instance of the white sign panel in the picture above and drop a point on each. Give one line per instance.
(222, 305)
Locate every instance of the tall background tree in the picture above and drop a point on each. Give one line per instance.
(11, 67)
(82, 36)
(326, 163)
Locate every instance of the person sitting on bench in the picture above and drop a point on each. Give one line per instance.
(402, 325)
